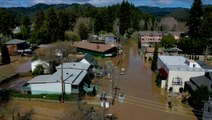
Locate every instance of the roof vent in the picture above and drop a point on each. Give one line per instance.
(74, 65)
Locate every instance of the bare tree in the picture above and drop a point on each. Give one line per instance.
(50, 53)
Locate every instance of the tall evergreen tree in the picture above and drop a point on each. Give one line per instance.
(155, 59)
(25, 27)
(101, 20)
(7, 22)
(124, 16)
(39, 20)
(51, 25)
(195, 20)
(63, 24)
(5, 57)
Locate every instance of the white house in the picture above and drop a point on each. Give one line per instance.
(74, 76)
(175, 70)
(40, 62)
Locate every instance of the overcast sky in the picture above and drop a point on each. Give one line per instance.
(159, 3)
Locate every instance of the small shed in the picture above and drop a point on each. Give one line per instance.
(16, 44)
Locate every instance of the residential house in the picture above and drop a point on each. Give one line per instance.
(176, 70)
(74, 76)
(151, 37)
(172, 51)
(196, 82)
(99, 50)
(15, 45)
(149, 51)
(89, 59)
(207, 110)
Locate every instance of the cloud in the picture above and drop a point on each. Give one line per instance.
(104, 2)
(160, 3)
(60, 1)
(163, 2)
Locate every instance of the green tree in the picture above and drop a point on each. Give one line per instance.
(39, 70)
(195, 20)
(25, 27)
(199, 97)
(83, 31)
(168, 41)
(39, 20)
(124, 17)
(207, 24)
(63, 24)
(72, 36)
(7, 22)
(51, 25)
(101, 20)
(5, 57)
(155, 59)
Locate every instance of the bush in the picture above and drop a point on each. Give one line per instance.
(72, 36)
(67, 97)
(181, 90)
(158, 80)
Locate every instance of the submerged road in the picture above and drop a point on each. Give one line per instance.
(143, 99)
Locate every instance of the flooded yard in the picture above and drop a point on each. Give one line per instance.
(143, 99)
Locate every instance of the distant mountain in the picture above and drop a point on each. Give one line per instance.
(30, 11)
(160, 11)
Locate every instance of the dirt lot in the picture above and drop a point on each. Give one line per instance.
(10, 69)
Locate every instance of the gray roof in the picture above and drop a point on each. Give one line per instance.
(88, 57)
(15, 42)
(193, 87)
(204, 66)
(201, 81)
(71, 76)
(74, 65)
(177, 63)
(160, 33)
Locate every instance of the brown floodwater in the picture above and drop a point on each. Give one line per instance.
(143, 99)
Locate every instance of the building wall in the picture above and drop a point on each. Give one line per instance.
(185, 75)
(49, 88)
(13, 49)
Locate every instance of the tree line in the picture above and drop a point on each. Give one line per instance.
(49, 25)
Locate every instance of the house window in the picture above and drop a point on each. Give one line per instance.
(177, 81)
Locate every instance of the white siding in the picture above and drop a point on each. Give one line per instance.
(54, 88)
(185, 75)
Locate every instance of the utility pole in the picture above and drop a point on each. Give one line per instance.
(62, 82)
(206, 54)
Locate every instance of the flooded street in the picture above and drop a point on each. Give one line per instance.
(144, 100)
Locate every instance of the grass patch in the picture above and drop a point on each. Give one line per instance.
(68, 97)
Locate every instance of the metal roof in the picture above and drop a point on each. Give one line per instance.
(93, 46)
(15, 42)
(178, 63)
(74, 65)
(202, 80)
(72, 76)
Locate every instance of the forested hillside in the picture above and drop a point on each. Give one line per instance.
(44, 23)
